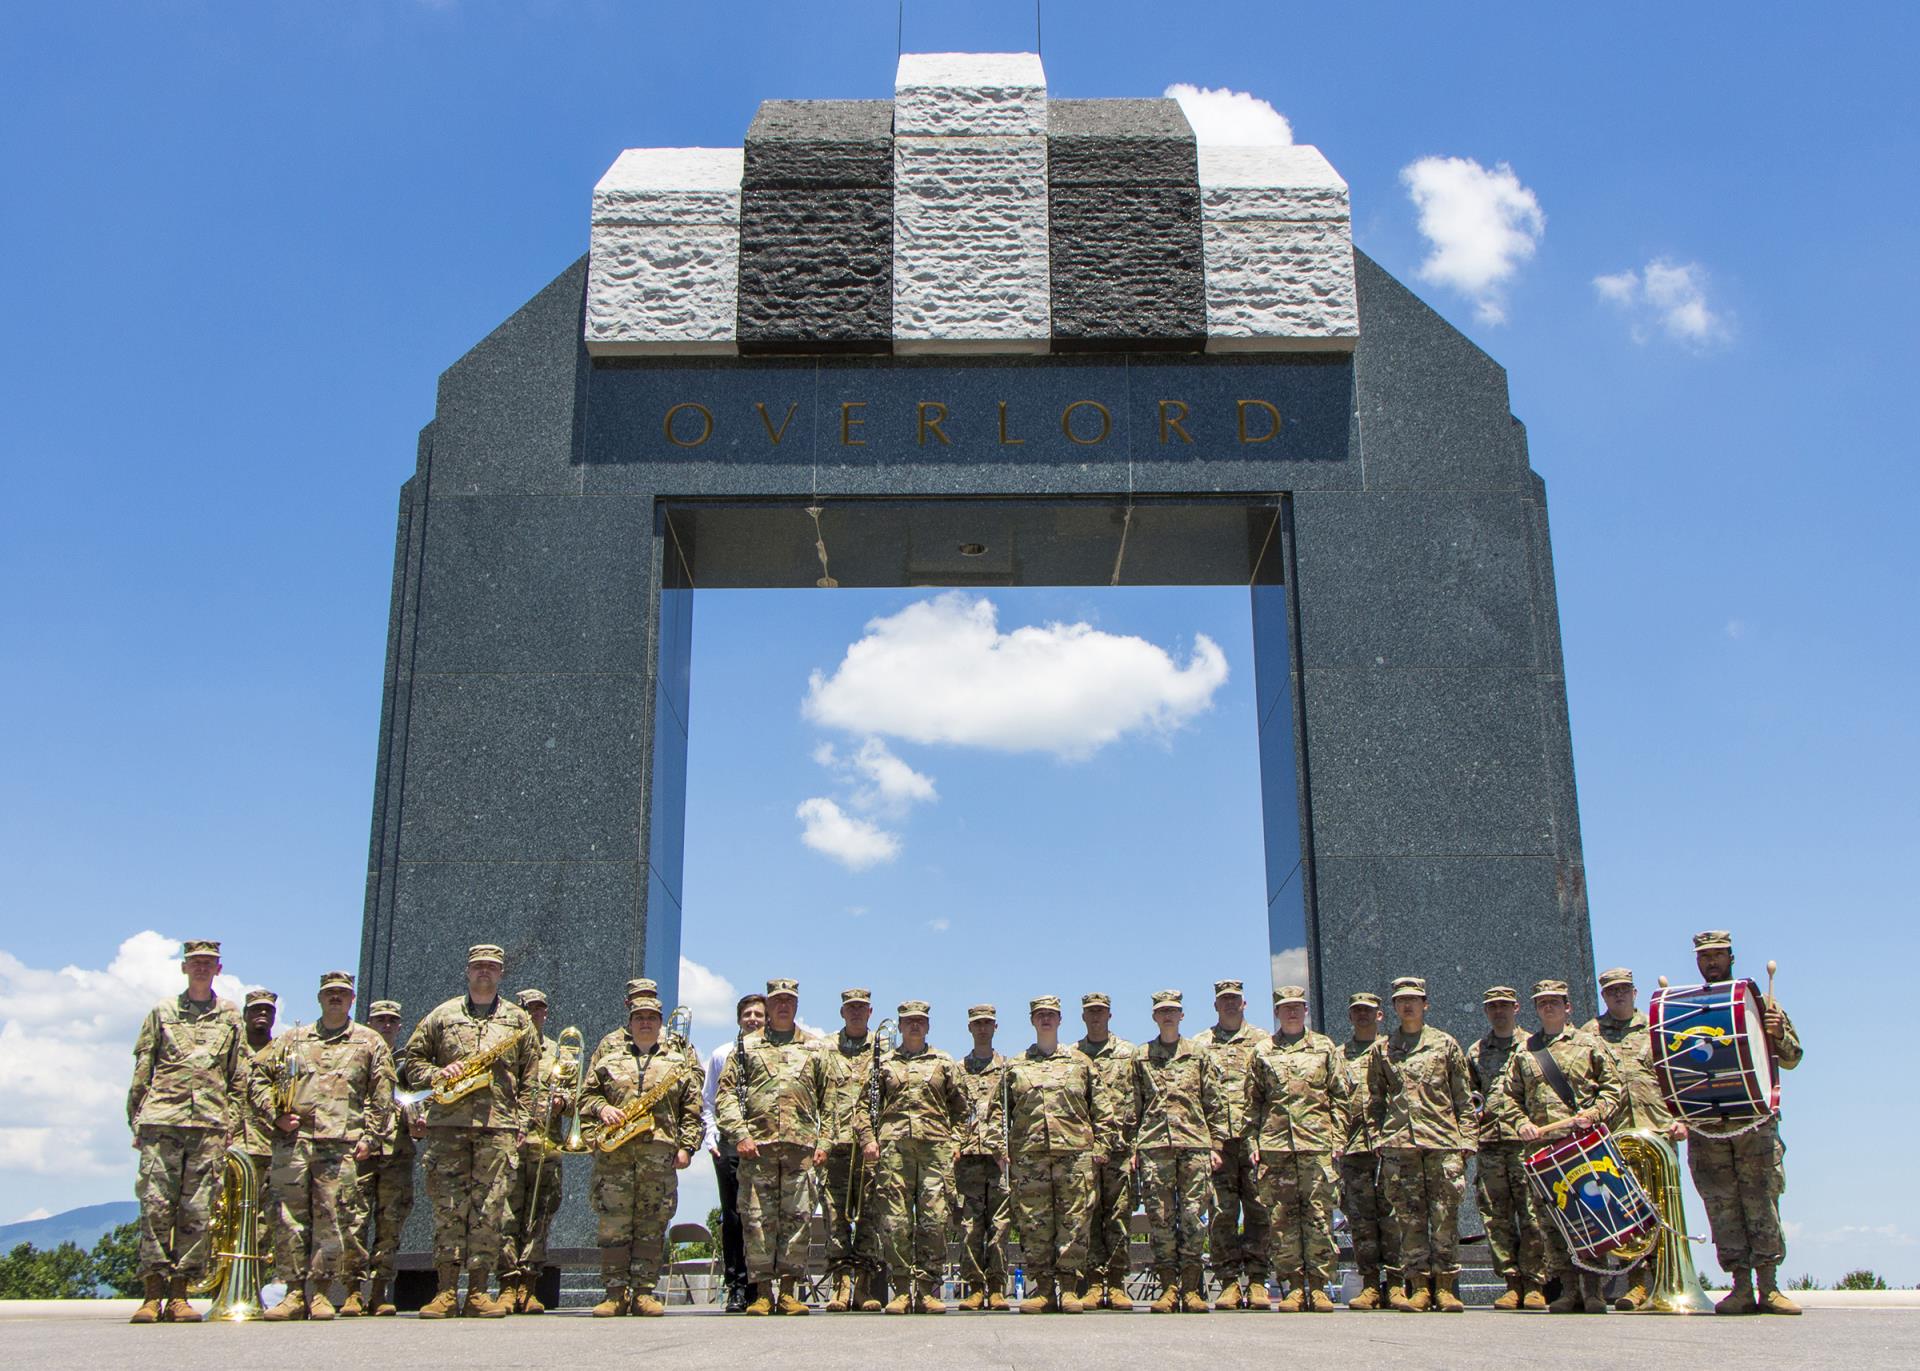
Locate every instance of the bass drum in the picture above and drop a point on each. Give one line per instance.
(1712, 1058)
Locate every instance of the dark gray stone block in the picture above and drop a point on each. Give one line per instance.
(535, 583)
(1127, 268)
(1120, 143)
(816, 270)
(525, 767)
(1415, 579)
(819, 145)
(1439, 761)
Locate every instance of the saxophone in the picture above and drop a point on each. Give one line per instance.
(475, 1071)
(636, 1115)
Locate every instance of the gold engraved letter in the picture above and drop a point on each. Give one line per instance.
(849, 422)
(931, 414)
(706, 424)
(1273, 425)
(774, 435)
(1066, 422)
(1173, 413)
(1005, 441)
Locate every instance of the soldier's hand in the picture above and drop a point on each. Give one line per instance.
(747, 1149)
(681, 1160)
(1530, 1131)
(609, 1116)
(1215, 1161)
(416, 1127)
(363, 1149)
(819, 1156)
(556, 1105)
(1253, 1155)
(871, 1151)
(1099, 1159)
(1677, 1131)
(448, 1073)
(1003, 1164)
(1776, 1023)
(288, 1122)
(1579, 1123)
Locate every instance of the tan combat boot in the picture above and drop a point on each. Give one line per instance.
(480, 1304)
(1070, 1303)
(1230, 1296)
(1193, 1287)
(1118, 1300)
(511, 1292)
(378, 1303)
(841, 1299)
(1634, 1297)
(930, 1301)
(445, 1303)
(354, 1305)
(868, 1287)
(1739, 1300)
(1446, 1295)
(975, 1299)
(153, 1299)
(1593, 1299)
(1516, 1291)
(178, 1310)
(645, 1306)
(1169, 1301)
(614, 1305)
(762, 1303)
(1368, 1299)
(319, 1307)
(1535, 1301)
(1772, 1301)
(292, 1306)
(530, 1303)
(1039, 1298)
(1569, 1301)
(901, 1303)
(787, 1302)
(1296, 1297)
(1397, 1298)
(1421, 1300)
(996, 1300)
(1319, 1301)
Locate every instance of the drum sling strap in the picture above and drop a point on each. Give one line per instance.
(1554, 1076)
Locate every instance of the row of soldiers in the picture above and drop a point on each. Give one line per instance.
(1238, 1138)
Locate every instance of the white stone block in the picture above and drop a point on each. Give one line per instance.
(1278, 286)
(671, 186)
(1293, 182)
(951, 94)
(970, 253)
(664, 269)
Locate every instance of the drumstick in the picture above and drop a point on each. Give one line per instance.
(1771, 968)
(1663, 982)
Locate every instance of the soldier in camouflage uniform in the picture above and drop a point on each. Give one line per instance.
(1056, 1134)
(1297, 1110)
(771, 1106)
(472, 1144)
(1104, 1286)
(922, 1106)
(189, 1083)
(1741, 1178)
(636, 1186)
(1500, 1178)
(1240, 1225)
(1180, 1107)
(386, 1180)
(1359, 1163)
(1420, 1105)
(328, 1088)
(980, 1168)
(1537, 1108)
(536, 1180)
(855, 1266)
(256, 1133)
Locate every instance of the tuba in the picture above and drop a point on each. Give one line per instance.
(1673, 1286)
(235, 1277)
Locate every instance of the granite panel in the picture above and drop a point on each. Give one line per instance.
(1290, 959)
(504, 421)
(660, 957)
(1120, 143)
(534, 767)
(1546, 600)
(820, 145)
(969, 93)
(1309, 449)
(970, 244)
(1439, 761)
(536, 583)
(761, 439)
(667, 796)
(1177, 542)
(1414, 578)
(1126, 267)
(1464, 923)
(816, 270)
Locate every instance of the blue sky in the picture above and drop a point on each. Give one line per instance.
(242, 240)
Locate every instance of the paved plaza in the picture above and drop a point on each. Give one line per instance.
(1855, 1335)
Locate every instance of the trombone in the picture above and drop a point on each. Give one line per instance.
(569, 1050)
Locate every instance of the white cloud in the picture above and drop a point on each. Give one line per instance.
(1736, 629)
(37, 1212)
(939, 925)
(879, 779)
(1481, 223)
(1222, 116)
(66, 1044)
(1666, 297)
(709, 995)
(853, 842)
(1290, 967)
(940, 671)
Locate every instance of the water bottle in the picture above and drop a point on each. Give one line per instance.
(1019, 1284)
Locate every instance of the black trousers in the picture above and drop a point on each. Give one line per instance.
(733, 1242)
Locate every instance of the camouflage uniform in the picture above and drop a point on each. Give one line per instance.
(1297, 1096)
(1053, 1125)
(1359, 1167)
(1108, 1258)
(340, 1083)
(1240, 1221)
(1525, 1095)
(636, 1187)
(386, 1181)
(979, 1179)
(787, 1081)
(1180, 1102)
(1741, 1179)
(256, 1133)
(1641, 1104)
(1500, 1179)
(922, 1103)
(472, 1144)
(523, 1245)
(189, 1083)
(1419, 1101)
(853, 1248)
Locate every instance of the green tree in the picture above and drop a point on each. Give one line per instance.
(116, 1259)
(1861, 1280)
(65, 1273)
(1803, 1283)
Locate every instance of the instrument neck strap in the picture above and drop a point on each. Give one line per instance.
(1554, 1076)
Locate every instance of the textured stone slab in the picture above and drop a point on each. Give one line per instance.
(970, 253)
(664, 266)
(820, 145)
(952, 93)
(1293, 182)
(1119, 142)
(670, 186)
(1126, 266)
(1279, 250)
(816, 270)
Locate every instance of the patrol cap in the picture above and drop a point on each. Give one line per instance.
(1363, 997)
(1409, 985)
(1500, 994)
(1040, 1002)
(1166, 997)
(530, 996)
(912, 1009)
(486, 952)
(255, 997)
(639, 1002)
(1615, 975)
(337, 980)
(1545, 990)
(382, 1008)
(1711, 940)
(783, 985)
(1289, 994)
(1096, 997)
(982, 1011)
(1229, 988)
(642, 986)
(853, 996)
(200, 947)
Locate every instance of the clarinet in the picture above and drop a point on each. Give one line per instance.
(740, 1080)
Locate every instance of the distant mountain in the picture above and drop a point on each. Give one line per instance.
(82, 1227)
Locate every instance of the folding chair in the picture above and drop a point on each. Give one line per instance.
(683, 1271)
